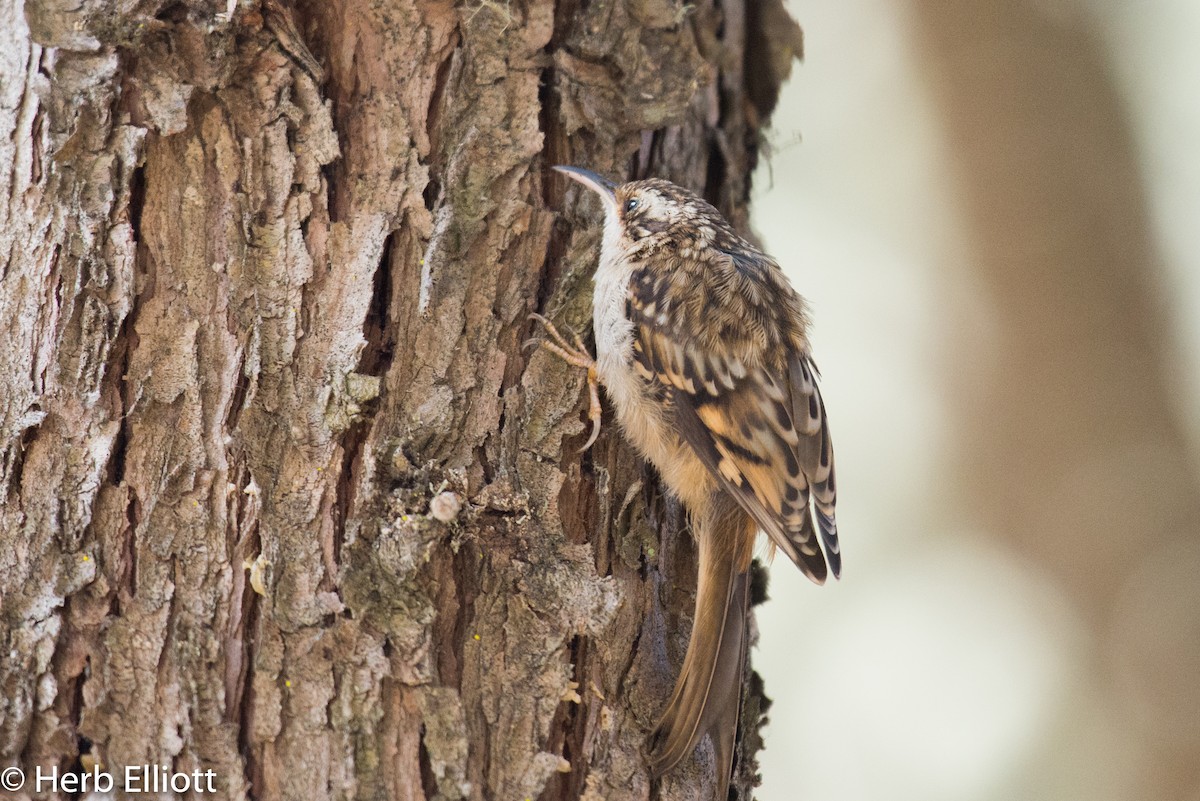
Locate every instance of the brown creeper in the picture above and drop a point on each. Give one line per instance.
(701, 347)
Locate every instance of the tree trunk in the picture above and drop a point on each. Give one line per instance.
(282, 496)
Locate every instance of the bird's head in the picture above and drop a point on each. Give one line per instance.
(652, 208)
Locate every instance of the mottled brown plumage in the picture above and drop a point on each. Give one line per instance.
(701, 345)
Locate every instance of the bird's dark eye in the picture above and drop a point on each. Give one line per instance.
(631, 204)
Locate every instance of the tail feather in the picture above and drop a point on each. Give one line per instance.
(708, 691)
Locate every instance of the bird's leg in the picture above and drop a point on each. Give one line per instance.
(578, 356)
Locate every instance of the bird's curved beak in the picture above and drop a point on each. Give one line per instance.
(603, 187)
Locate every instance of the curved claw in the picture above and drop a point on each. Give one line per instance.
(578, 356)
(592, 439)
(594, 410)
(532, 342)
(555, 336)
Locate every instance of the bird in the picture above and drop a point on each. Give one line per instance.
(702, 348)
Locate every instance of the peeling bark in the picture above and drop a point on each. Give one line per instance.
(282, 496)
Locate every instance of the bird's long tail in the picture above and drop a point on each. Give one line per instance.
(708, 691)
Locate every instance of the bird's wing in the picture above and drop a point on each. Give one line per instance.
(815, 452)
(749, 408)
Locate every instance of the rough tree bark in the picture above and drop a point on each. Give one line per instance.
(281, 494)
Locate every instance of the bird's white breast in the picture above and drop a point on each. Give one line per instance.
(641, 415)
(614, 331)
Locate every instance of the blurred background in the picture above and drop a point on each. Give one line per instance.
(994, 210)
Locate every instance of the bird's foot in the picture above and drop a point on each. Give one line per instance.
(575, 353)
